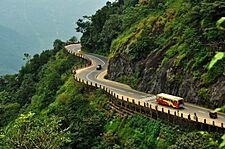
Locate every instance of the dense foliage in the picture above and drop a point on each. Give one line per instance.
(41, 76)
(154, 38)
(172, 46)
(45, 108)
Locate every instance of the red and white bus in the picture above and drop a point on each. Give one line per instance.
(170, 100)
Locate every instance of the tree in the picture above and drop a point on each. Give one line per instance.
(29, 131)
(111, 29)
(26, 56)
(73, 39)
(26, 90)
(82, 26)
(58, 45)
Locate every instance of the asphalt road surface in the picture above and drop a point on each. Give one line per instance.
(97, 76)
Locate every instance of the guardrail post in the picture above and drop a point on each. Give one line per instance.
(117, 97)
(213, 123)
(96, 85)
(134, 105)
(221, 125)
(150, 110)
(144, 108)
(100, 86)
(168, 116)
(204, 121)
(122, 97)
(126, 103)
(189, 117)
(139, 106)
(174, 118)
(182, 115)
(156, 110)
(91, 83)
(163, 110)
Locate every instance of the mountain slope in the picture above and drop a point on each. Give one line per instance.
(44, 107)
(162, 46)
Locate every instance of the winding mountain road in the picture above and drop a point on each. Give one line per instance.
(97, 76)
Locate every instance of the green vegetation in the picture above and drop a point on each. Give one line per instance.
(43, 107)
(131, 81)
(220, 23)
(177, 36)
(218, 56)
(139, 132)
(170, 45)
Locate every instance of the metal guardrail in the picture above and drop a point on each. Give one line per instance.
(145, 104)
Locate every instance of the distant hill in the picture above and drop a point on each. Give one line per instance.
(32, 26)
(12, 47)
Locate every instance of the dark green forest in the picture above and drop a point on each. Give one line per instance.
(42, 106)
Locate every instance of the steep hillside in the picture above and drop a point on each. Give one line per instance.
(162, 46)
(43, 107)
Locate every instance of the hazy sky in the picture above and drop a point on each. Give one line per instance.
(31, 26)
(45, 19)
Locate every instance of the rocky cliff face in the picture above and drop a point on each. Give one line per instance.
(162, 46)
(168, 79)
(165, 55)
